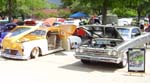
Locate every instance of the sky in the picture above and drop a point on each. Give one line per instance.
(58, 2)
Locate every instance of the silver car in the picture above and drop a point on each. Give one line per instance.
(105, 44)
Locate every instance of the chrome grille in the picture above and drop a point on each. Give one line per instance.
(96, 52)
(12, 52)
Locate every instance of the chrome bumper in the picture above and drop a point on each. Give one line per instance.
(14, 56)
(99, 58)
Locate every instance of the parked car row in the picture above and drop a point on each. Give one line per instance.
(104, 43)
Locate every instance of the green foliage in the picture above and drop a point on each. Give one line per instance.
(40, 15)
(95, 6)
(123, 8)
(3, 5)
(67, 3)
(124, 12)
(63, 13)
(52, 6)
(82, 5)
(51, 15)
(25, 7)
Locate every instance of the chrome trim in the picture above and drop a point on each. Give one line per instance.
(99, 58)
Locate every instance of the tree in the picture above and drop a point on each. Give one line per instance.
(29, 7)
(21, 7)
(141, 6)
(96, 6)
(124, 12)
(124, 7)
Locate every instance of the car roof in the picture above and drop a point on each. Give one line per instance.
(32, 27)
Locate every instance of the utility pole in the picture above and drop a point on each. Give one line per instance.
(9, 10)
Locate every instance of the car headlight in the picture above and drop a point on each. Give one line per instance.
(93, 42)
(114, 52)
(109, 53)
(77, 50)
(81, 50)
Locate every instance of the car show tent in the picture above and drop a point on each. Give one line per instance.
(78, 15)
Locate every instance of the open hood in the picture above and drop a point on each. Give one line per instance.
(102, 31)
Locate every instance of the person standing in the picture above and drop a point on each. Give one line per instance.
(149, 19)
(142, 27)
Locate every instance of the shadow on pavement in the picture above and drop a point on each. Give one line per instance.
(60, 53)
(95, 66)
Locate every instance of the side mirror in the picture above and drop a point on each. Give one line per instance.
(134, 34)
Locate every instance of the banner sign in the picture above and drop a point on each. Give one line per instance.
(136, 60)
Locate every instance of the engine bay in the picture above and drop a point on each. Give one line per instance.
(102, 43)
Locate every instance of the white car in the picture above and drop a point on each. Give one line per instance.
(129, 32)
(109, 46)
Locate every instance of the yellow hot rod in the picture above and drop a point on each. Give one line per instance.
(25, 42)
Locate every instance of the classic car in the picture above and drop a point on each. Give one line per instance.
(26, 42)
(5, 29)
(31, 22)
(107, 45)
(129, 32)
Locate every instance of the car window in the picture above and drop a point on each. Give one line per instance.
(124, 32)
(38, 32)
(136, 30)
(19, 31)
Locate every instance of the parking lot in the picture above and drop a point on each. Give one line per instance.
(63, 67)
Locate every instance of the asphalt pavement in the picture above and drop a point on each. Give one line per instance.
(62, 67)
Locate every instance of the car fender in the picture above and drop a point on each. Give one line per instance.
(73, 40)
(28, 46)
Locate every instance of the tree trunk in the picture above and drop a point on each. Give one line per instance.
(23, 17)
(10, 10)
(104, 11)
(139, 14)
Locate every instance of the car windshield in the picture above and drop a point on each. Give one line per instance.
(38, 33)
(124, 32)
(19, 31)
(103, 32)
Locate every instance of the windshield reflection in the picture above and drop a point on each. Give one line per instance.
(19, 31)
(38, 33)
